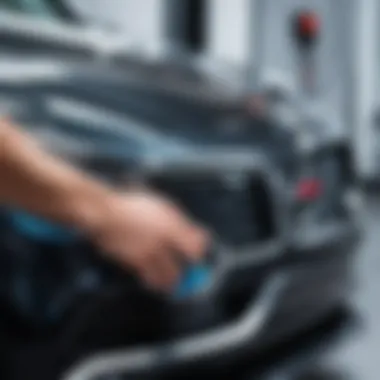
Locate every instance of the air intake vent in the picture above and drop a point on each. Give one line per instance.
(239, 210)
(262, 209)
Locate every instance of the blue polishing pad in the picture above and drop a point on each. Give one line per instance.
(39, 229)
(195, 279)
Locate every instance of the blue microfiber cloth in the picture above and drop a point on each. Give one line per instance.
(194, 280)
(39, 229)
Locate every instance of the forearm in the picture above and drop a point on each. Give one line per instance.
(35, 181)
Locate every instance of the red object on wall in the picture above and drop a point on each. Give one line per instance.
(308, 24)
(307, 27)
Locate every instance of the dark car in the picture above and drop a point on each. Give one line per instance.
(283, 215)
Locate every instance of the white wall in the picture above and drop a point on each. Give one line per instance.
(142, 19)
(366, 80)
(229, 40)
(228, 23)
(228, 30)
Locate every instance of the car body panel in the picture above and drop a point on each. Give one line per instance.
(259, 294)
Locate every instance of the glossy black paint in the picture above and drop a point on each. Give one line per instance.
(116, 311)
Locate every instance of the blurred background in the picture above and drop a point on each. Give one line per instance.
(232, 41)
(108, 83)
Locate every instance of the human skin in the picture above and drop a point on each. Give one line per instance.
(138, 229)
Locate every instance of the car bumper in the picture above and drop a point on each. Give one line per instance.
(295, 291)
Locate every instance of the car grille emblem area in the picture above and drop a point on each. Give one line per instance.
(237, 207)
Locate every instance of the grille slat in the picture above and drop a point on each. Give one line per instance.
(240, 211)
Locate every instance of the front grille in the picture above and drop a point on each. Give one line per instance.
(240, 211)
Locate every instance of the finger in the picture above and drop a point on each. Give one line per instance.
(159, 270)
(191, 242)
(154, 282)
(147, 275)
(167, 268)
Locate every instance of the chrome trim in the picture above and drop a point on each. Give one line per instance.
(232, 336)
(218, 341)
(228, 262)
(218, 163)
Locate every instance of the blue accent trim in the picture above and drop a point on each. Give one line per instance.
(39, 229)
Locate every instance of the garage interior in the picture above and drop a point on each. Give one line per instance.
(109, 83)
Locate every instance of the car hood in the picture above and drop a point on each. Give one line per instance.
(95, 109)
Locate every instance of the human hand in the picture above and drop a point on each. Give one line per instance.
(150, 235)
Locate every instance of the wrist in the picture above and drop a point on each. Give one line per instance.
(90, 209)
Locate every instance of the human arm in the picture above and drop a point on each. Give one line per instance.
(139, 230)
